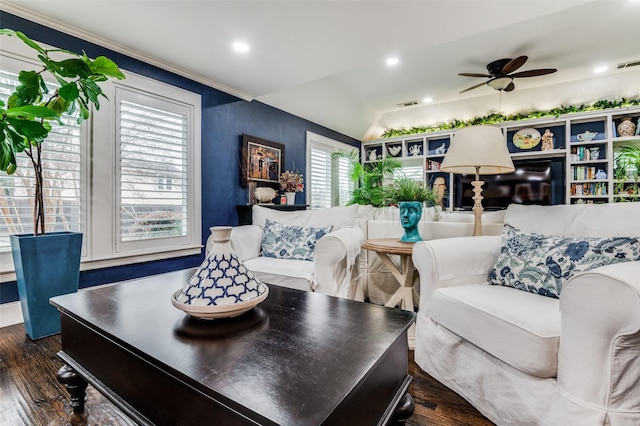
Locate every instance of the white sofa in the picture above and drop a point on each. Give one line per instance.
(526, 359)
(376, 280)
(334, 268)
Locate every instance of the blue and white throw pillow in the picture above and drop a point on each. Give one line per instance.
(542, 264)
(290, 241)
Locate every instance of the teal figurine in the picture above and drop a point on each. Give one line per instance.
(410, 214)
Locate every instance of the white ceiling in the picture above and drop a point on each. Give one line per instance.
(325, 60)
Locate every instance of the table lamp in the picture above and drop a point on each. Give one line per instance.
(477, 149)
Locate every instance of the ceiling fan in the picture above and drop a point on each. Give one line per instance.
(500, 73)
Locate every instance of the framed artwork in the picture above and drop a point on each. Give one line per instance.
(262, 160)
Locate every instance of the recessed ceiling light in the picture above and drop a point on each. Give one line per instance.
(392, 61)
(240, 46)
(427, 100)
(600, 69)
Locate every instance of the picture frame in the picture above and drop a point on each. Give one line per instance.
(262, 160)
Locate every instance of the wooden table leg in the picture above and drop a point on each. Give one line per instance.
(76, 386)
(404, 294)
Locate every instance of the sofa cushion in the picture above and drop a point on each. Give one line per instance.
(519, 328)
(289, 273)
(580, 220)
(338, 217)
(290, 241)
(542, 264)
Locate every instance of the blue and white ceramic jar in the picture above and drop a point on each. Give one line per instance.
(222, 284)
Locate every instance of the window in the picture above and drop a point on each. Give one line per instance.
(411, 168)
(329, 179)
(152, 165)
(129, 178)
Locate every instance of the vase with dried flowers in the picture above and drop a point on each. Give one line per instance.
(290, 183)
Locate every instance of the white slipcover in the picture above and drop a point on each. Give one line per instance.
(334, 269)
(494, 349)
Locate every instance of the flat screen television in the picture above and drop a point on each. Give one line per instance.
(533, 182)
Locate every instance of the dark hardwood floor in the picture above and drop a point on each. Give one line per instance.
(31, 395)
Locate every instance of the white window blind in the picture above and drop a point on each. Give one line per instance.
(329, 179)
(153, 167)
(320, 176)
(62, 178)
(344, 183)
(148, 130)
(412, 172)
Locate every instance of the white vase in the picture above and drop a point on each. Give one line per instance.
(222, 285)
(291, 198)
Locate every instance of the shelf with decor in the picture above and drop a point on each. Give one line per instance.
(581, 147)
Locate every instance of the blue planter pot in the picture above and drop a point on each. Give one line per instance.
(46, 266)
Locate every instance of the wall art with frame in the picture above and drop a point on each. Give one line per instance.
(261, 160)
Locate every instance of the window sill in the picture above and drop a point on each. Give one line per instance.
(87, 265)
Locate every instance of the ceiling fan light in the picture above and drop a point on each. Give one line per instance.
(500, 83)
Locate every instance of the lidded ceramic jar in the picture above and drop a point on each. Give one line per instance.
(222, 286)
(626, 127)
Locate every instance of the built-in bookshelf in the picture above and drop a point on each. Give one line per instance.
(586, 142)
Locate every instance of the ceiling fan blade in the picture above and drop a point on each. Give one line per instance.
(473, 87)
(510, 87)
(473, 74)
(514, 64)
(534, 73)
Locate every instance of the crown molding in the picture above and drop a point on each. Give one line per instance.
(92, 38)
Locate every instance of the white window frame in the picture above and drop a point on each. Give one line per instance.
(98, 168)
(314, 140)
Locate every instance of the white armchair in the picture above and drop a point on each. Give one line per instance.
(334, 269)
(523, 358)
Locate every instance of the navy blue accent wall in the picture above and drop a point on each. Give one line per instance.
(224, 119)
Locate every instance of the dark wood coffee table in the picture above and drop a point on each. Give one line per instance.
(299, 358)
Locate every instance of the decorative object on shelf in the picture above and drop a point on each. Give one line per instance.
(394, 150)
(638, 127)
(601, 174)
(478, 148)
(441, 150)
(292, 181)
(526, 138)
(626, 127)
(547, 140)
(291, 198)
(500, 118)
(440, 189)
(222, 287)
(265, 194)
(372, 155)
(586, 136)
(594, 153)
(415, 150)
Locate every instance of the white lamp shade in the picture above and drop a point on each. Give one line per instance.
(478, 146)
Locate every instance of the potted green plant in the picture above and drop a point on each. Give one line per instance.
(46, 263)
(409, 195)
(369, 178)
(627, 170)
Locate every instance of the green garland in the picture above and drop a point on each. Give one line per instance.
(499, 118)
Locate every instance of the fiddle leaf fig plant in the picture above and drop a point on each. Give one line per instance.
(27, 116)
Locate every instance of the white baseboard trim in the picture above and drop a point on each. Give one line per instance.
(10, 314)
